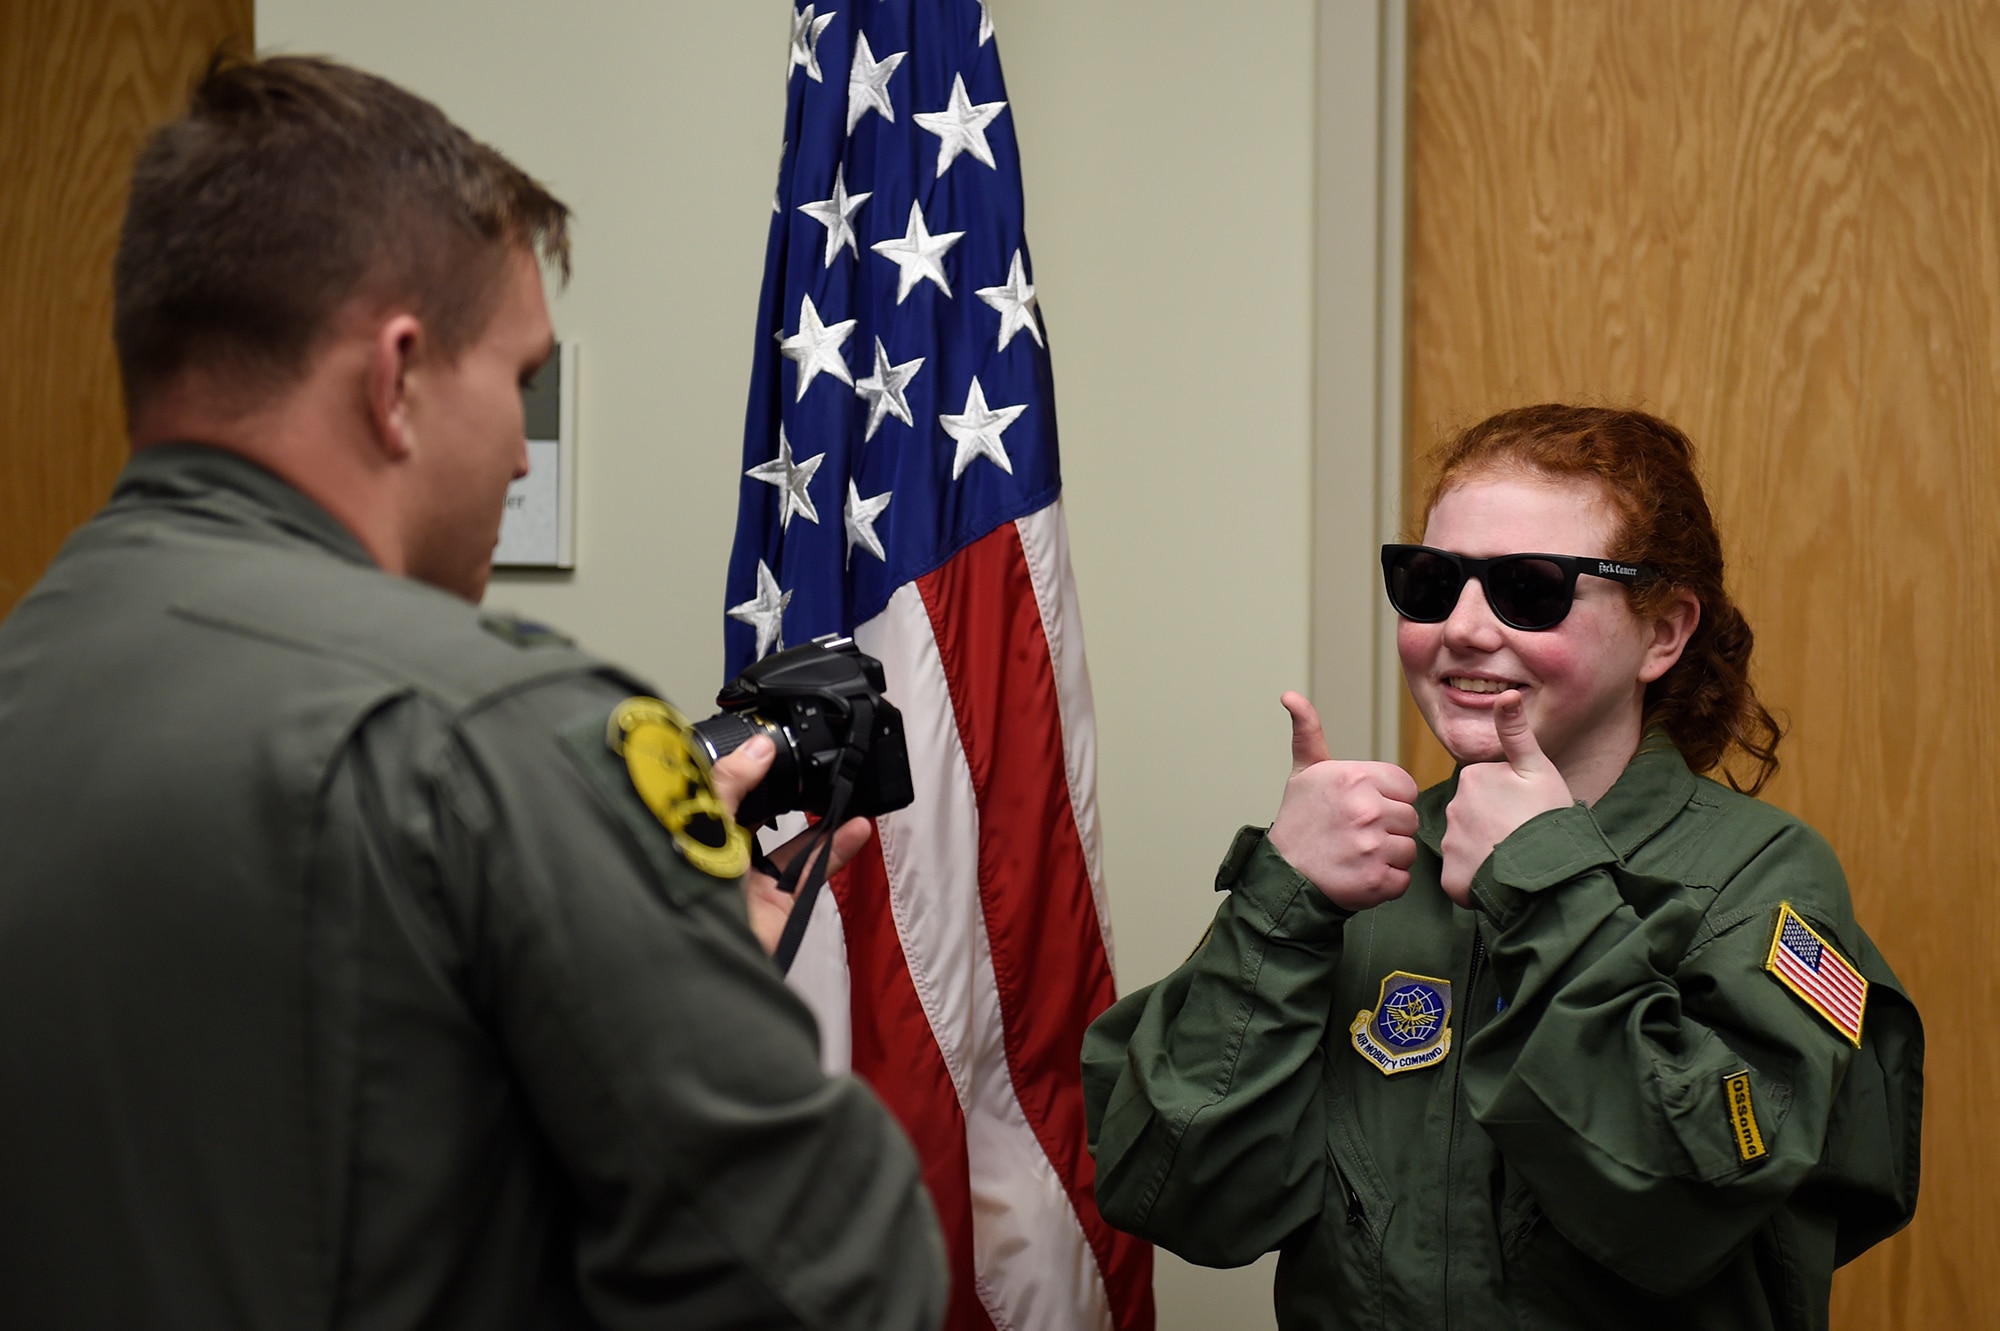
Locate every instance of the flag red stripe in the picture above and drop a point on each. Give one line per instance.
(1842, 1003)
(1040, 913)
(896, 1054)
(1833, 976)
(1841, 999)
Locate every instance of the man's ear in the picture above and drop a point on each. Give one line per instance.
(1673, 624)
(392, 355)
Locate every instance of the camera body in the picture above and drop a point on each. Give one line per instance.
(822, 706)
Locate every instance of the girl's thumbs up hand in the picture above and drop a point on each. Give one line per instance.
(1495, 798)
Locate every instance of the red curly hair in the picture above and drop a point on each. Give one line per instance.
(1705, 703)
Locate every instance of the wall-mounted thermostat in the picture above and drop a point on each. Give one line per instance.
(538, 529)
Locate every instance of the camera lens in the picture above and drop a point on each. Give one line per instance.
(779, 791)
(723, 733)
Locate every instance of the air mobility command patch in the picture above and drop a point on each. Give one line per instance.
(671, 777)
(1807, 965)
(1410, 1027)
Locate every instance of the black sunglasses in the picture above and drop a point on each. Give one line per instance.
(1529, 592)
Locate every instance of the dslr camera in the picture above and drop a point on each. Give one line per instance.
(823, 708)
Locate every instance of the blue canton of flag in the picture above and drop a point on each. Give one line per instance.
(1803, 945)
(900, 400)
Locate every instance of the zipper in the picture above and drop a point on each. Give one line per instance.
(1347, 1191)
(1457, 1102)
(1518, 1239)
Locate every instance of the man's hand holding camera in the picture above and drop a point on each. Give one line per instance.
(735, 775)
(805, 729)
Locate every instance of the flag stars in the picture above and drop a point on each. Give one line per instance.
(816, 346)
(861, 515)
(836, 214)
(918, 254)
(961, 126)
(978, 429)
(765, 611)
(806, 30)
(883, 390)
(1016, 303)
(868, 83)
(792, 480)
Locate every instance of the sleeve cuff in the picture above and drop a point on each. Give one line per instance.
(1277, 898)
(1549, 849)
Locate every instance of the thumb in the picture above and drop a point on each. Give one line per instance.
(848, 841)
(1308, 740)
(1517, 740)
(737, 772)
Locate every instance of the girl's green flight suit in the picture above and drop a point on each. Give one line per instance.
(1575, 1156)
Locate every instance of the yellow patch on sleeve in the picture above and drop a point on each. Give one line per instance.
(670, 775)
(1743, 1116)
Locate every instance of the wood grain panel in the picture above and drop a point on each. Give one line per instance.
(1777, 224)
(80, 86)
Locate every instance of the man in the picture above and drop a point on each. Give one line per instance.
(365, 962)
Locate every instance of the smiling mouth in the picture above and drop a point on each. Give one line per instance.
(1467, 684)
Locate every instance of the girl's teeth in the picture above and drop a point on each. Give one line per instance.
(1465, 685)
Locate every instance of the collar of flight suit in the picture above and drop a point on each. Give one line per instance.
(230, 487)
(1654, 787)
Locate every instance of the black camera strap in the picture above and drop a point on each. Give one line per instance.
(819, 850)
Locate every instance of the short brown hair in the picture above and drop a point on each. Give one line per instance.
(292, 186)
(1705, 703)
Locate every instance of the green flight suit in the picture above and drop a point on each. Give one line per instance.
(346, 983)
(1572, 1158)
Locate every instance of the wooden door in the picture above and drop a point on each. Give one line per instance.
(81, 83)
(1777, 224)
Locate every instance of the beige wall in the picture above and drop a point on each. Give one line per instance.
(1169, 153)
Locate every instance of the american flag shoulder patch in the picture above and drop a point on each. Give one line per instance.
(1809, 966)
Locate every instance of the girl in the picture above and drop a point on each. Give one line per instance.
(1578, 1038)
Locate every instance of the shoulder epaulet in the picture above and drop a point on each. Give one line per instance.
(522, 632)
(395, 627)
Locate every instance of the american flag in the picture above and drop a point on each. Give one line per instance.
(901, 484)
(1818, 974)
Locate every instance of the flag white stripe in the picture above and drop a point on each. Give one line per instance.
(931, 849)
(1836, 991)
(1833, 975)
(1845, 1011)
(819, 976)
(1843, 1004)
(1045, 541)
(1034, 1264)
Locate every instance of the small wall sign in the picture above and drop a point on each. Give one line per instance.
(538, 529)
